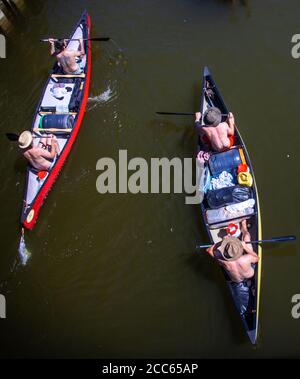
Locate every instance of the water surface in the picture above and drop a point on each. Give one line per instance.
(118, 275)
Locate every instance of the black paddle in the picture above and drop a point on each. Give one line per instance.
(275, 239)
(15, 137)
(76, 39)
(182, 113)
(12, 136)
(176, 113)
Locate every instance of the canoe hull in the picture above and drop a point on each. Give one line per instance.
(31, 210)
(212, 97)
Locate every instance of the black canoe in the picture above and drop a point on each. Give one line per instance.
(216, 228)
(73, 104)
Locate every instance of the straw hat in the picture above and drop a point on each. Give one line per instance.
(25, 140)
(230, 248)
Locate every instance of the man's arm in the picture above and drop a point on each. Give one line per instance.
(54, 150)
(52, 47)
(210, 251)
(197, 119)
(231, 123)
(249, 251)
(254, 259)
(80, 52)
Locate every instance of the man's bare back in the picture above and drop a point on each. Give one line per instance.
(67, 58)
(218, 136)
(240, 269)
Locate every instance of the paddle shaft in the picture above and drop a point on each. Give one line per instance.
(77, 39)
(53, 130)
(181, 113)
(14, 137)
(275, 239)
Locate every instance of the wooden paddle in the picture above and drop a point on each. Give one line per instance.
(274, 239)
(103, 39)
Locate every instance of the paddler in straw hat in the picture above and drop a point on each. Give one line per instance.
(215, 133)
(41, 157)
(237, 258)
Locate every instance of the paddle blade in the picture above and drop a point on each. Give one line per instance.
(284, 238)
(12, 136)
(103, 39)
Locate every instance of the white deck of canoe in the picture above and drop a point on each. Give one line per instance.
(49, 100)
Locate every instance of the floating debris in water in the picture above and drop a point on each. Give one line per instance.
(23, 252)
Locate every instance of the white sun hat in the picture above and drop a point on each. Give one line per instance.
(25, 140)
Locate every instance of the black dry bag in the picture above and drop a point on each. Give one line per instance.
(228, 195)
(58, 121)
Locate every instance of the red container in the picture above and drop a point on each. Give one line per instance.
(243, 168)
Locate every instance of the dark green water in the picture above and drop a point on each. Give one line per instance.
(117, 275)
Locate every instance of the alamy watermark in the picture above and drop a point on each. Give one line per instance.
(296, 307)
(2, 306)
(296, 47)
(160, 175)
(2, 47)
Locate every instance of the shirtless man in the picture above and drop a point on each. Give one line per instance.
(216, 133)
(237, 258)
(67, 58)
(42, 156)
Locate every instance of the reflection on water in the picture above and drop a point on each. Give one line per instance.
(235, 4)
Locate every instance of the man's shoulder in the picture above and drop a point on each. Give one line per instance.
(64, 53)
(223, 125)
(246, 258)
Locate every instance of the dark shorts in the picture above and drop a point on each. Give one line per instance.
(241, 293)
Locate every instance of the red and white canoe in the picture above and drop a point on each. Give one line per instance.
(73, 103)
